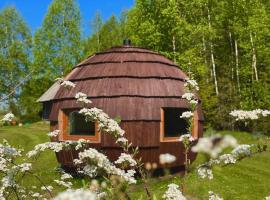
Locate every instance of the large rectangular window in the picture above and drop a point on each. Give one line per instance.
(172, 126)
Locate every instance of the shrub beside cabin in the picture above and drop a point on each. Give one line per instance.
(141, 87)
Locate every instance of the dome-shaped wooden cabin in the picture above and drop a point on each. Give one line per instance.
(141, 87)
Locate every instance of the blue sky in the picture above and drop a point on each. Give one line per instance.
(33, 11)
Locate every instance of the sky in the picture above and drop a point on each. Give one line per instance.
(33, 11)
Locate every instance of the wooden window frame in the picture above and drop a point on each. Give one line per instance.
(63, 120)
(176, 139)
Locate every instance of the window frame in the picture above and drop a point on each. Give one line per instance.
(63, 123)
(176, 139)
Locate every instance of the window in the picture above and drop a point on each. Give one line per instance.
(78, 125)
(74, 127)
(172, 126)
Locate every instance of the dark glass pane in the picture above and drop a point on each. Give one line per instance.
(174, 126)
(78, 125)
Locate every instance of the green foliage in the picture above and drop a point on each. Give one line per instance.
(15, 51)
(57, 48)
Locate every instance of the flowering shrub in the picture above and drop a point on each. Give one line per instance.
(173, 193)
(249, 115)
(110, 180)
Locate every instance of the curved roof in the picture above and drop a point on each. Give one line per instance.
(130, 82)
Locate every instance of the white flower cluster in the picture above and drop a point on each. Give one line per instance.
(242, 151)
(68, 84)
(227, 159)
(213, 196)
(63, 183)
(190, 83)
(57, 146)
(186, 114)
(249, 115)
(126, 158)
(106, 124)
(239, 152)
(79, 194)
(187, 137)
(8, 117)
(190, 97)
(166, 158)
(82, 98)
(121, 140)
(66, 176)
(205, 172)
(54, 133)
(81, 143)
(47, 188)
(173, 193)
(214, 145)
(54, 146)
(94, 158)
(267, 198)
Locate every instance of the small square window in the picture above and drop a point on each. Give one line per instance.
(73, 126)
(79, 126)
(172, 126)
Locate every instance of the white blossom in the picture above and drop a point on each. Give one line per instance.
(213, 196)
(227, 159)
(126, 158)
(166, 158)
(205, 172)
(188, 96)
(79, 194)
(267, 198)
(49, 187)
(66, 176)
(249, 115)
(186, 114)
(68, 84)
(192, 84)
(25, 167)
(94, 158)
(173, 193)
(82, 98)
(63, 183)
(242, 151)
(188, 137)
(54, 146)
(54, 133)
(121, 140)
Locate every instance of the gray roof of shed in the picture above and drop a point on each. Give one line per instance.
(50, 93)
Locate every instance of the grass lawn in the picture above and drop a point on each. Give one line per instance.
(248, 179)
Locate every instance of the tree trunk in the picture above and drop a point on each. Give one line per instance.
(254, 58)
(237, 64)
(231, 45)
(212, 54)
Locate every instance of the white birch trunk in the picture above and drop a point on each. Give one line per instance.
(212, 54)
(231, 45)
(254, 58)
(237, 64)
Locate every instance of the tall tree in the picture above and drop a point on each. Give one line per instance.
(15, 54)
(57, 48)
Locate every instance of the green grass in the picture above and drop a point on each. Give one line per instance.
(249, 179)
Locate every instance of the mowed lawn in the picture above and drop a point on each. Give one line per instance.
(248, 179)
